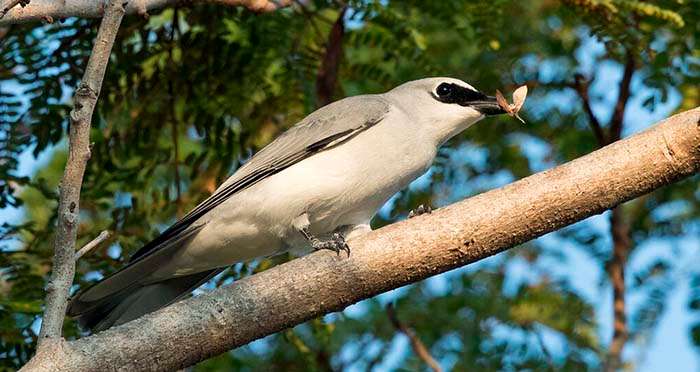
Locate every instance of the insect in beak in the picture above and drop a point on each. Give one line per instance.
(518, 101)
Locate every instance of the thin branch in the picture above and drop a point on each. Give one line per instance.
(39, 10)
(104, 235)
(84, 101)
(173, 118)
(581, 85)
(200, 327)
(623, 96)
(417, 345)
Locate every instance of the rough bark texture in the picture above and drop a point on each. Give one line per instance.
(50, 10)
(198, 328)
(86, 94)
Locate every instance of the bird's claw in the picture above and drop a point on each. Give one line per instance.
(336, 244)
(421, 209)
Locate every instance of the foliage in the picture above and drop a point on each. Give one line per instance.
(191, 92)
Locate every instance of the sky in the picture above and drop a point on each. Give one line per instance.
(669, 348)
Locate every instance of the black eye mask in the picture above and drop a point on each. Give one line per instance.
(453, 93)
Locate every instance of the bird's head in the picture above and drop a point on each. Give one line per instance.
(443, 106)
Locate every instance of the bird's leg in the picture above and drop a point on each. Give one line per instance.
(421, 209)
(336, 243)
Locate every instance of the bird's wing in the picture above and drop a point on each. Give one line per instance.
(322, 129)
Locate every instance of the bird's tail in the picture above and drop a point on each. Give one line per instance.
(134, 291)
(132, 301)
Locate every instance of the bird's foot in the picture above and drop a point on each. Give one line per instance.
(421, 209)
(336, 244)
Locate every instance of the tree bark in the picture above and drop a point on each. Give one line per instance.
(50, 10)
(63, 269)
(201, 327)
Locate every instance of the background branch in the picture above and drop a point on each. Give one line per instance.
(327, 76)
(38, 10)
(417, 345)
(256, 306)
(86, 94)
(623, 96)
(616, 271)
(581, 86)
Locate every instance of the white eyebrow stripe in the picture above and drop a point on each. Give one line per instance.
(468, 86)
(456, 82)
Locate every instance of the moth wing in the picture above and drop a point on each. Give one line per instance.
(503, 103)
(519, 98)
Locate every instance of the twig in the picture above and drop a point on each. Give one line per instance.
(581, 85)
(86, 94)
(12, 4)
(173, 117)
(619, 113)
(417, 345)
(104, 235)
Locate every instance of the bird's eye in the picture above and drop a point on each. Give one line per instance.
(443, 90)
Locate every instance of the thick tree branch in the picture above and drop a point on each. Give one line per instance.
(84, 101)
(38, 10)
(323, 282)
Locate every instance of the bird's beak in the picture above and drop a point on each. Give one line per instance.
(488, 106)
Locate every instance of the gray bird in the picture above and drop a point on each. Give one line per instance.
(314, 187)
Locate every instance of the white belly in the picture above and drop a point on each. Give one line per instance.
(341, 186)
